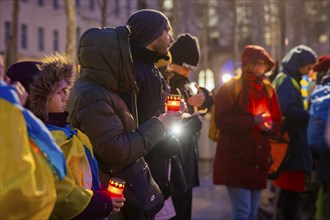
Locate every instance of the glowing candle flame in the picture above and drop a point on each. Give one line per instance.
(173, 103)
(116, 187)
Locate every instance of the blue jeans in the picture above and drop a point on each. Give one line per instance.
(244, 203)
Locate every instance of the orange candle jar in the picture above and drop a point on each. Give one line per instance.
(173, 102)
(116, 187)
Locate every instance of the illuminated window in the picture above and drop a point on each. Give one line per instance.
(206, 79)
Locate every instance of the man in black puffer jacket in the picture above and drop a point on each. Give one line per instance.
(150, 41)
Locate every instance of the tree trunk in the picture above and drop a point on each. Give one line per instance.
(273, 26)
(11, 52)
(235, 41)
(70, 47)
(205, 37)
(103, 9)
(282, 29)
(176, 20)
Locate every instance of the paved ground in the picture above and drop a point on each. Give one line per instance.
(210, 202)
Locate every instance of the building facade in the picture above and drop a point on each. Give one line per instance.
(42, 23)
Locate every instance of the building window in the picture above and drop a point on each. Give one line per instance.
(206, 79)
(78, 34)
(24, 36)
(56, 40)
(41, 36)
(117, 8)
(91, 5)
(55, 4)
(142, 4)
(7, 32)
(128, 8)
(41, 2)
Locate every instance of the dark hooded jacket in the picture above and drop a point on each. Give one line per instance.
(292, 107)
(188, 153)
(96, 108)
(150, 103)
(243, 150)
(150, 82)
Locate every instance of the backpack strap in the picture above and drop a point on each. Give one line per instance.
(235, 85)
(269, 88)
(280, 78)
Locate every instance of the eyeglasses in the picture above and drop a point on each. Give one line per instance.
(259, 63)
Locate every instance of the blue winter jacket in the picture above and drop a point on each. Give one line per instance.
(292, 107)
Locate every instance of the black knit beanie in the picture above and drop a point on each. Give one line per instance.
(185, 51)
(40, 80)
(146, 25)
(24, 72)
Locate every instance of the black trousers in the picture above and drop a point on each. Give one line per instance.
(182, 203)
(287, 205)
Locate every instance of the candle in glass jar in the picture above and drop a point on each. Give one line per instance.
(116, 187)
(173, 102)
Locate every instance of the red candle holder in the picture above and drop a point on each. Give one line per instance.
(116, 187)
(173, 102)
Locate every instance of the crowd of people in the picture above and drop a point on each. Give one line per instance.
(63, 139)
(252, 109)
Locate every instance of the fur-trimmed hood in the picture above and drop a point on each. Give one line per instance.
(41, 79)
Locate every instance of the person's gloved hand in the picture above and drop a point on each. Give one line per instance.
(191, 124)
(101, 205)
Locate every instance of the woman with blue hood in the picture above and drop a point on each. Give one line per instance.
(297, 62)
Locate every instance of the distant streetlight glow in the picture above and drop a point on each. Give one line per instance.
(168, 4)
(323, 38)
(226, 77)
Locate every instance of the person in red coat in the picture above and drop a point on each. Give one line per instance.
(246, 113)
